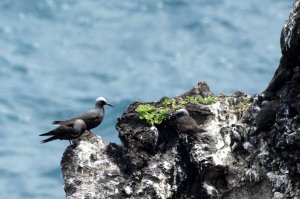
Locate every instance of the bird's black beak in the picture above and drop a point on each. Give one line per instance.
(109, 105)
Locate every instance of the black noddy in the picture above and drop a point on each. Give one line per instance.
(184, 123)
(265, 118)
(91, 118)
(66, 132)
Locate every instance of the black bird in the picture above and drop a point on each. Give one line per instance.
(66, 132)
(265, 118)
(91, 118)
(184, 124)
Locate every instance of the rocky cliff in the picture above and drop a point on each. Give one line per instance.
(250, 147)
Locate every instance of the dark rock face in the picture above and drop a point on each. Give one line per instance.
(287, 76)
(250, 150)
(159, 158)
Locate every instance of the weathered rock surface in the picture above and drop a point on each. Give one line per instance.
(89, 172)
(248, 157)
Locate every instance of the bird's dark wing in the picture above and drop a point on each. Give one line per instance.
(91, 116)
(64, 122)
(68, 122)
(187, 125)
(59, 131)
(87, 117)
(49, 139)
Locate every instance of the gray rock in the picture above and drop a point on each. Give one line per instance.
(278, 195)
(89, 172)
(248, 147)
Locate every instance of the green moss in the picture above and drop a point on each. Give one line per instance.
(202, 100)
(152, 114)
(156, 115)
(167, 102)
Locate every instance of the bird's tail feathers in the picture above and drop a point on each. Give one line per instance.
(56, 122)
(47, 134)
(49, 139)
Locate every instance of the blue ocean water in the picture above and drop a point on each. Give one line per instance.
(58, 56)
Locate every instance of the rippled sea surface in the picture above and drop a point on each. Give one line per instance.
(58, 56)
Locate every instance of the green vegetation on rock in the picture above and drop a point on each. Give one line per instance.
(152, 114)
(167, 102)
(156, 115)
(202, 100)
(243, 105)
